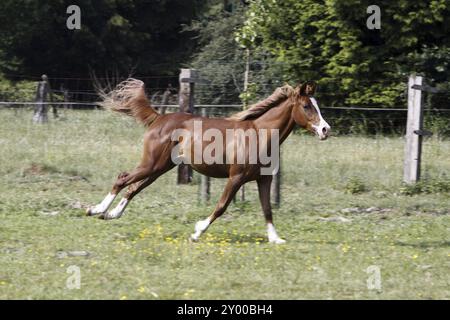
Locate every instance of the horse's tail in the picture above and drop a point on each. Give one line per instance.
(129, 98)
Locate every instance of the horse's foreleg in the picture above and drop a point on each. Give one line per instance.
(232, 186)
(264, 196)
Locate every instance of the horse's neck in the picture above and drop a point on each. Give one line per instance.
(279, 117)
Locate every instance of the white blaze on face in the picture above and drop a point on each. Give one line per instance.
(323, 128)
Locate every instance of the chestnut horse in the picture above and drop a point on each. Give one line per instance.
(278, 113)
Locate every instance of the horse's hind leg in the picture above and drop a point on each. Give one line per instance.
(124, 179)
(264, 196)
(132, 191)
(103, 206)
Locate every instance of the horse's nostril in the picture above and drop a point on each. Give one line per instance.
(324, 130)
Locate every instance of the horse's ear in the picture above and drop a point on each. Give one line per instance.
(308, 88)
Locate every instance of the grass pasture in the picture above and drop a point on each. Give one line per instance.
(343, 211)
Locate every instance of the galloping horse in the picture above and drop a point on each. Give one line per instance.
(278, 113)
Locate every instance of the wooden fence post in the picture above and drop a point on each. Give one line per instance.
(40, 109)
(54, 106)
(246, 77)
(275, 187)
(413, 147)
(165, 99)
(66, 98)
(205, 181)
(186, 101)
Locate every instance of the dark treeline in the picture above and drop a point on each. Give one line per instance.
(117, 37)
(274, 41)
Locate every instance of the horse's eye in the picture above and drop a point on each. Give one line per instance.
(307, 107)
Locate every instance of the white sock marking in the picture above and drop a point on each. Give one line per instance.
(200, 227)
(118, 210)
(272, 235)
(104, 205)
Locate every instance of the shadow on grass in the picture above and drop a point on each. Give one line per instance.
(424, 244)
(218, 237)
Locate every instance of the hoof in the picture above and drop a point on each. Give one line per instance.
(89, 212)
(277, 241)
(102, 216)
(193, 238)
(106, 216)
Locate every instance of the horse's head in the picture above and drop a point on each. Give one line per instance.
(306, 112)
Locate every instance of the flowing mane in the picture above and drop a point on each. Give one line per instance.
(258, 109)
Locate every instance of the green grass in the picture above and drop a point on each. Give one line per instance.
(49, 173)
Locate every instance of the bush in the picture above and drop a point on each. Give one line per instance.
(17, 91)
(354, 186)
(438, 125)
(426, 186)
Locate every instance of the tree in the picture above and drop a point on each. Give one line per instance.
(219, 58)
(121, 35)
(329, 41)
(222, 58)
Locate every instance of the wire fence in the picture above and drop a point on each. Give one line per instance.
(344, 119)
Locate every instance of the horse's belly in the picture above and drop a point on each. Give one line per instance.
(212, 170)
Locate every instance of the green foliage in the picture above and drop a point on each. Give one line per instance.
(250, 94)
(17, 91)
(222, 57)
(220, 60)
(437, 124)
(426, 186)
(287, 41)
(116, 35)
(328, 41)
(355, 186)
